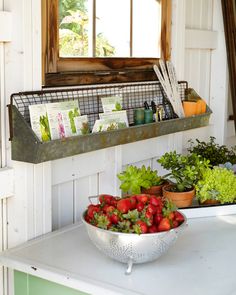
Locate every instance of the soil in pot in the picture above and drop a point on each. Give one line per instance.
(180, 199)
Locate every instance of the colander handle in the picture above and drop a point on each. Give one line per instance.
(91, 198)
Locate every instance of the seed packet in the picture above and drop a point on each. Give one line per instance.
(120, 116)
(108, 125)
(61, 116)
(111, 103)
(82, 125)
(39, 121)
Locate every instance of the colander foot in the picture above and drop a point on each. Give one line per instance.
(129, 267)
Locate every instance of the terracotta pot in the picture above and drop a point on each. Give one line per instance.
(210, 202)
(180, 199)
(154, 190)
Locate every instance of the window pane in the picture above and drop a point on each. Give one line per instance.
(75, 28)
(146, 28)
(113, 28)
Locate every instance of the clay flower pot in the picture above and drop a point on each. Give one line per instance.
(154, 190)
(210, 202)
(180, 199)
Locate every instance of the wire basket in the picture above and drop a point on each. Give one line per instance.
(89, 98)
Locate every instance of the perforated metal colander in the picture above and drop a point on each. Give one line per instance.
(132, 248)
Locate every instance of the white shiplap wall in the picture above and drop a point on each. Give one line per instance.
(54, 194)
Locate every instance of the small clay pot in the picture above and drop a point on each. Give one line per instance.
(154, 190)
(210, 202)
(180, 199)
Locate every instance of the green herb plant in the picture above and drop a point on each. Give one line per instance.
(185, 170)
(212, 151)
(133, 179)
(217, 184)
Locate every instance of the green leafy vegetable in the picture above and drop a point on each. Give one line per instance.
(133, 179)
(217, 184)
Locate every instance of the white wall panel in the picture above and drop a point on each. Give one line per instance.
(62, 204)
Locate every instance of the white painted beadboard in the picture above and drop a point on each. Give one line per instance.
(53, 194)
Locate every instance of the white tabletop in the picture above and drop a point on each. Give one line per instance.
(202, 262)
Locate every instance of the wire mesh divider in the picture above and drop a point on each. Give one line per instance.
(89, 98)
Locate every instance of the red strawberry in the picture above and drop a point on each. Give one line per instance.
(140, 206)
(152, 229)
(175, 223)
(171, 215)
(114, 218)
(157, 218)
(124, 205)
(156, 201)
(92, 209)
(108, 208)
(107, 199)
(148, 218)
(143, 198)
(140, 227)
(164, 225)
(179, 217)
(133, 202)
(151, 208)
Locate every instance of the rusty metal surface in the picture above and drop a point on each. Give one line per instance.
(26, 147)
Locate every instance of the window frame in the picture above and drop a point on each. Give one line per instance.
(58, 71)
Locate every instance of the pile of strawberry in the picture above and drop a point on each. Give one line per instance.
(139, 214)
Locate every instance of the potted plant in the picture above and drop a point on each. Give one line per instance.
(136, 180)
(218, 185)
(185, 171)
(212, 151)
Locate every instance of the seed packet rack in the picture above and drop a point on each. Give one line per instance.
(28, 148)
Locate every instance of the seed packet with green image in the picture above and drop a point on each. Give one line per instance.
(111, 103)
(39, 121)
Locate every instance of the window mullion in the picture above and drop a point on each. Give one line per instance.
(131, 28)
(94, 28)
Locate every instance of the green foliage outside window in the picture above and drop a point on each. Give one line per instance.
(73, 31)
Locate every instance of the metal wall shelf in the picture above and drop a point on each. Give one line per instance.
(27, 147)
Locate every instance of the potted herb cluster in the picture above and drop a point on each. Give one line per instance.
(185, 171)
(218, 185)
(212, 151)
(136, 180)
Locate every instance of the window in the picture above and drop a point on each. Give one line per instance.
(102, 41)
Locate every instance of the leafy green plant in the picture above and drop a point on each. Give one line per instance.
(133, 179)
(217, 184)
(185, 170)
(212, 151)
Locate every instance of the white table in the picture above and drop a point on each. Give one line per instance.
(202, 262)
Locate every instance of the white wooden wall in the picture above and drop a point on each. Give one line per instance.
(51, 195)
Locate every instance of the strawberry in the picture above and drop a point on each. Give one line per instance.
(140, 227)
(164, 225)
(143, 198)
(179, 217)
(108, 208)
(175, 223)
(92, 209)
(151, 208)
(106, 199)
(140, 206)
(124, 205)
(155, 201)
(133, 202)
(148, 218)
(157, 218)
(114, 218)
(171, 215)
(152, 229)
